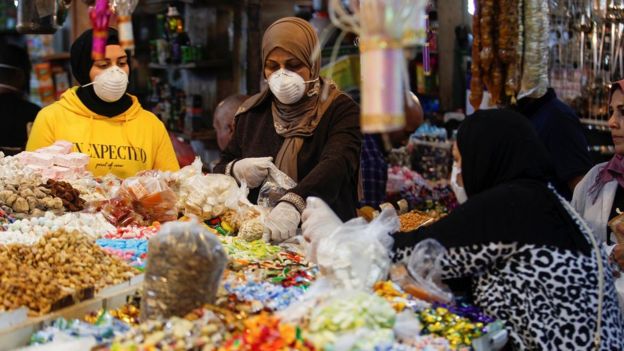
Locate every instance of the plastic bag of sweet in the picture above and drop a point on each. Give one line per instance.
(357, 254)
(142, 201)
(184, 267)
(420, 273)
(211, 195)
(274, 187)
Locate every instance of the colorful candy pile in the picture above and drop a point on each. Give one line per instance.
(133, 251)
(457, 330)
(134, 232)
(258, 250)
(265, 332)
(103, 329)
(265, 295)
(204, 331)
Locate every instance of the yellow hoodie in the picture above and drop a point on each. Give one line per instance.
(123, 145)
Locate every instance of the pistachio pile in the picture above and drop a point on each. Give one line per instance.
(58, 267)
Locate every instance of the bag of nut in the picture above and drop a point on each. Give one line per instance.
(185, 263)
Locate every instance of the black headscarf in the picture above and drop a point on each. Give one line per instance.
(504, 168)
(498, 146)
(81, 63)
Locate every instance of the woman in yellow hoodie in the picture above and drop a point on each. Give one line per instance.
(101, 119)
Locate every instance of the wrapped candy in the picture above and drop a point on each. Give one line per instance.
(269, 296)
(457, 330)
(100, 17)
(266, 332)
(258, 250)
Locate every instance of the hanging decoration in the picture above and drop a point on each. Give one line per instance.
(100, 18)
(123, 9)
(385, 28)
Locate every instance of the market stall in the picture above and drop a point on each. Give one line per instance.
(91, 263)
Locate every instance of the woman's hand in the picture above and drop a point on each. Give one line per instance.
(252, 171)
(282, 222)
(318, 220)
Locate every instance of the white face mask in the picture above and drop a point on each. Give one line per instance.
(460, 192)
(288, 87)
(111, 84)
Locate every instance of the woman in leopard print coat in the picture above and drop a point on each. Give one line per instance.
(527, 253)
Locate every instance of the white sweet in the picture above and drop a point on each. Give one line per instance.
(93, 225)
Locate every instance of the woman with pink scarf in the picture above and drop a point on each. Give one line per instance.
(599, 197)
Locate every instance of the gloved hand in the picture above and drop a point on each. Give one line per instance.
(252, 171)
(318, 220)
(281, 223)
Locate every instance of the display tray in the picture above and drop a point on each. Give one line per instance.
(16, 327)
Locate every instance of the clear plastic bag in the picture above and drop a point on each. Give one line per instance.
(211, 195)
(407, 326)
(184, 267)
(274, 187)
(357, 253)
(142, 201)
(421, 273)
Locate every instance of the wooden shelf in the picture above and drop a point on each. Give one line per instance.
(211, 64)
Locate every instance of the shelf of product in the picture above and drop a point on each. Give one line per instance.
(156, 244)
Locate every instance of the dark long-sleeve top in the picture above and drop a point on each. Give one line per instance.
(531, 265)
(328, 163)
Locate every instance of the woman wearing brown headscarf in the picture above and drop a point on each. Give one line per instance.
(315, 140)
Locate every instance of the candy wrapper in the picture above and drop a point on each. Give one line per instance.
(266, 295)
(200, 330)
(184, 268)
(141, 201)
(274, 187)
(344, 319)
(266, 332)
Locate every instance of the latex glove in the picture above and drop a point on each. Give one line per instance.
(252, 171)
(318, 220)
(282, 223)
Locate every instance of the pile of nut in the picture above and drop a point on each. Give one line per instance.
(414, 220)
(68, 195)
(59, 266)
(29, 197)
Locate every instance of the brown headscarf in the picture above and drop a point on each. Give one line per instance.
(297, 121)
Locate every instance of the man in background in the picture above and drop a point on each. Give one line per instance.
(373, 163)
(223, 118)
(18, 113)
(560, 130)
